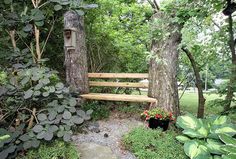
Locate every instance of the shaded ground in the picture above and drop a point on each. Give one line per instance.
(103, 138)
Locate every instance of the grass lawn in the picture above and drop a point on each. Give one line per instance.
(189, 103)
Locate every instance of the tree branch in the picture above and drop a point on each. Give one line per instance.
(154, 5)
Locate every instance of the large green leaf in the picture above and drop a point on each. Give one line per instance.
(214, 146)
(191, 148)
(203, 131)
(227, 139)
(230, 156)
(196, 151)
(193, 133)
(229, 148)
(182, 138)
(220, 120)
(228, 129)
(188, 122)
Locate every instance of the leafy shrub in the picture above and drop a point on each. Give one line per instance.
(54, 150)
(207, 138)
(153, 144)
(100, 111)
(39, 89)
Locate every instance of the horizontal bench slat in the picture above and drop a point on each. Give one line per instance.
(118, 97)
(118, 84)
(117, 75)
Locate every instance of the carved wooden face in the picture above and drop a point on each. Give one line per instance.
(67, 34)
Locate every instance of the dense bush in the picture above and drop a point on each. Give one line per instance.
(153, 144)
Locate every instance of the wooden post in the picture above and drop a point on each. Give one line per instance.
(75, 53)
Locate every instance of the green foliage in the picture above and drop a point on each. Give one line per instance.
(118, 33)
(54, 150)
(100, 111)
(149, 144)
(207, 138)
(4, 137)
(40, 85)
(16, 142)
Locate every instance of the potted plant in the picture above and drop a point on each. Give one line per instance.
(158, 117)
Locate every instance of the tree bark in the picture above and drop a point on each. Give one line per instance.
(163, 68)
(232, 81)
(198, 82)
(76, 59)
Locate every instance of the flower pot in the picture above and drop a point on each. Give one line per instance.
(155, 123)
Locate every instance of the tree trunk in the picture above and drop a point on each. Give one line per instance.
(163, 67)
(198, 82)
(232, 81)
(76, 58)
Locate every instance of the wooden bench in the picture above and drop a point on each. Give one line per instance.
(118, 97)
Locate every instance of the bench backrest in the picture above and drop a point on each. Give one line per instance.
(118, 84)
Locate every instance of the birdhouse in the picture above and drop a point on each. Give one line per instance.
(70, 38)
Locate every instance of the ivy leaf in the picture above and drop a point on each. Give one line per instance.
(60, 133)
(59, 86)
(57, 7)
(24, 137)
(89, 112)
(52, 115)
(77, 120)
(48, 136)
(35, 143)
(41, 135)
(28, 94)
(27, 145)
(67, 137)
(66, 115)
(37, 93)
(80, 12)
(37, 15)
(72, 102)
(61, 108)
(37, 128)
(39, 23)
(25, 80)
(45, 94)
(28, 28)
(42, 117)
(53, 128)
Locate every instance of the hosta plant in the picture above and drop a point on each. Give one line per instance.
(210, 138)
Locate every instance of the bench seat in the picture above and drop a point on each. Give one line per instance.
(118, 97)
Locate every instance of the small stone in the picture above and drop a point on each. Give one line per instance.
(97, 131)
(106, 135)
